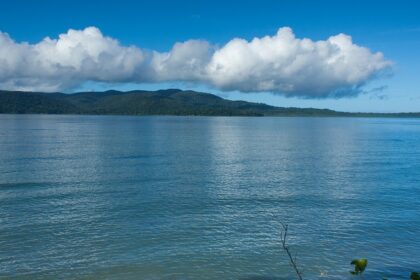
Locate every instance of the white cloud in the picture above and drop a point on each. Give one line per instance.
(285, 64)
(281, 64)
(185, 62)
(73, 58)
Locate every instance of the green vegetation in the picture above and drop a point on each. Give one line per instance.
(359, 266)
(161, 102)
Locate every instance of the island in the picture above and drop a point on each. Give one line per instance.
(161, 102)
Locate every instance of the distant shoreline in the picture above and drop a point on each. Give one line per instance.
(169, 102)
(349, 115)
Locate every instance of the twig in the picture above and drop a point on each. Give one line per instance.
(293, 260)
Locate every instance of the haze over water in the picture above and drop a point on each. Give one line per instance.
(113, 197)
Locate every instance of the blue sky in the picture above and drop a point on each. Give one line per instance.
(390, 27)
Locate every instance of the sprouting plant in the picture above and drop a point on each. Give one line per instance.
(359, 266)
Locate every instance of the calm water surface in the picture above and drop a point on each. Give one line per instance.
(108, 197)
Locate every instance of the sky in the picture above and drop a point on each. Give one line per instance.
(358, 56)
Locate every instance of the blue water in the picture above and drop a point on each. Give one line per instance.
(113, 197)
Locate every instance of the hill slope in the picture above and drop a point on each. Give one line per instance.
(161, 102)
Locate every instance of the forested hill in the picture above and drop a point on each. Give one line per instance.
(161, 102)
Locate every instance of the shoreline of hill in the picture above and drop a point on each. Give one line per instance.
(161, 102)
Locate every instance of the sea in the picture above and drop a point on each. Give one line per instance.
(166, 197)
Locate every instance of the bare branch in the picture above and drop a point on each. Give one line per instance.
(293, 260)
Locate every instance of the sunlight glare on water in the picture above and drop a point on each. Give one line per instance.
(113, 197)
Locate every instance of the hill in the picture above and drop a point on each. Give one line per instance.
(161, 102)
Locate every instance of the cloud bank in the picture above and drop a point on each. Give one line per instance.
(281, 64)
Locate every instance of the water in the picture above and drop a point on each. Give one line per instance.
(112, 197)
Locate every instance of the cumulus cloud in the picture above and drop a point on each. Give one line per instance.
(281, 63)
(73, 58)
